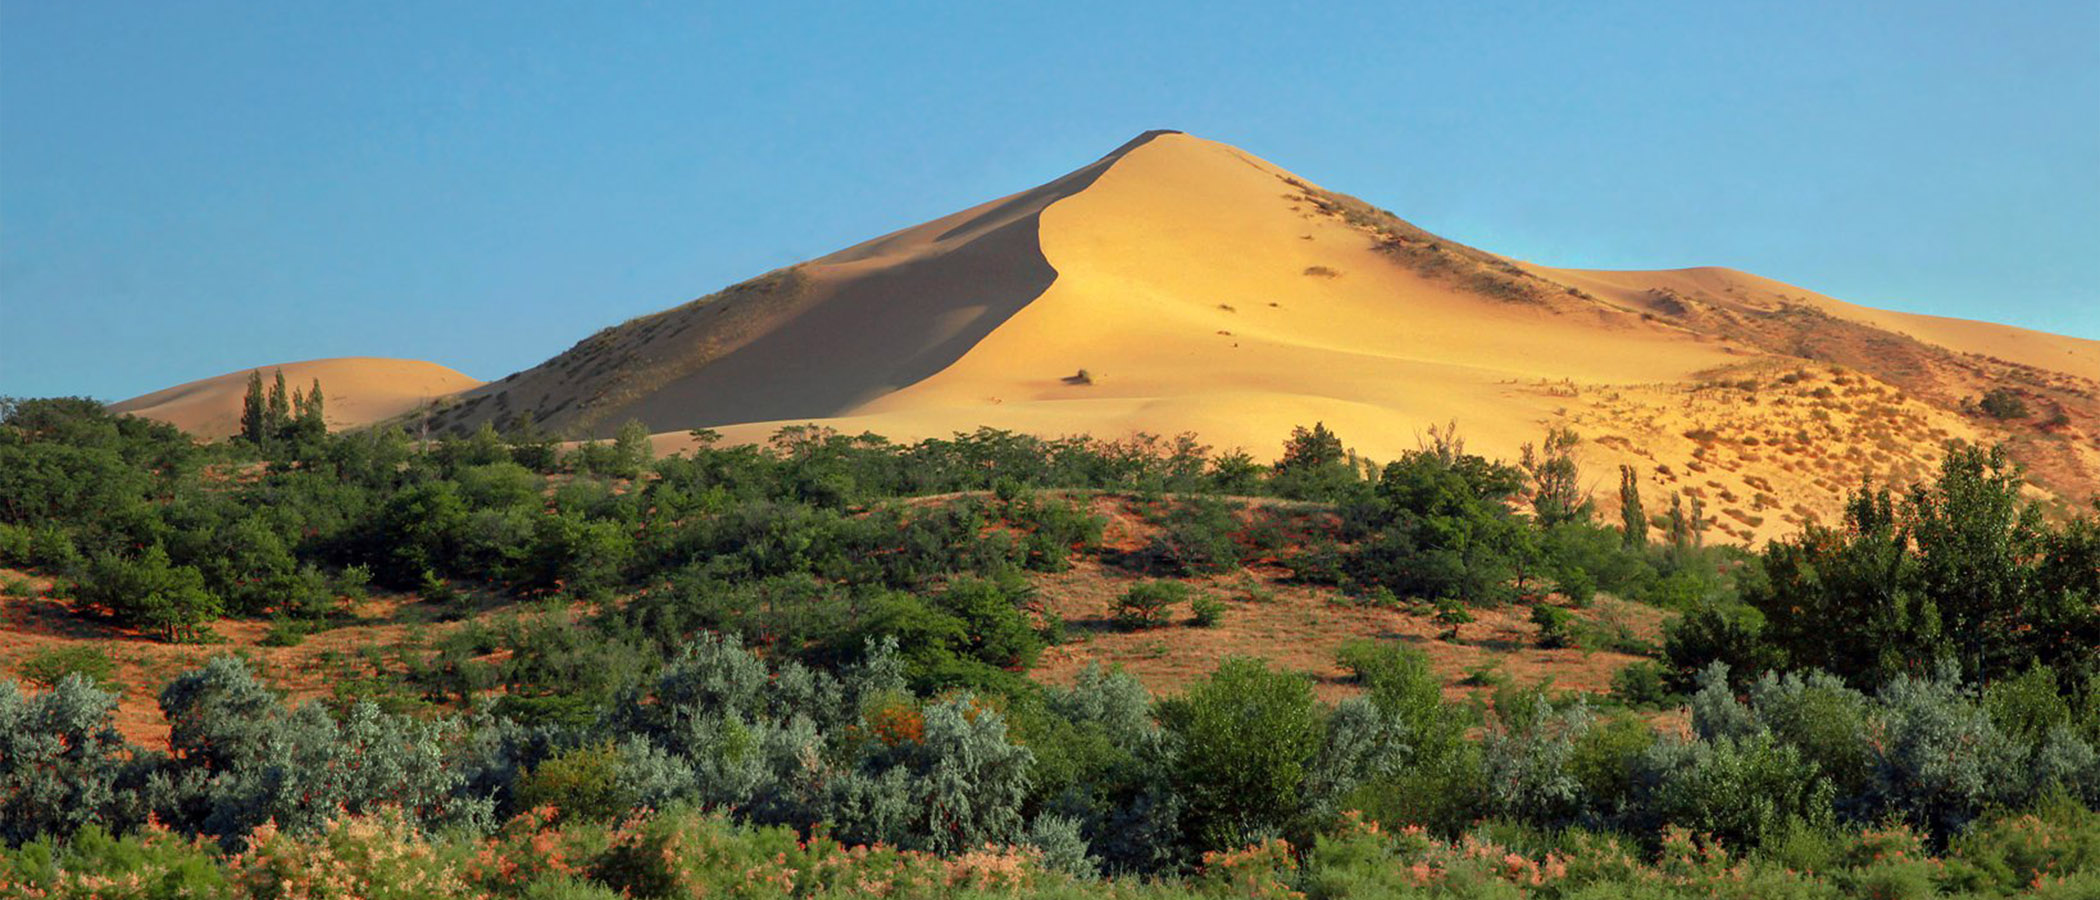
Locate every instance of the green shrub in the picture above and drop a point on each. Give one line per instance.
(1578, 586)
(1247, 736)
(1209, 611)
(1554, 625)
(581, 783)
(285, 632)
(1196, 536)
(1640, 685)
(1146, 604)
(49, 667)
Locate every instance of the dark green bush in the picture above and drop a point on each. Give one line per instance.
(1147, 604)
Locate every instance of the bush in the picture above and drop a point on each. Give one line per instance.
(1196, 537)
(1577, 585)
(1554, 626)
(2003, 403)
(49, 667)
(1146, 604)
(581, 784)
(62, 763)
(1640, 685)
(1208, 610)
(1246, 738)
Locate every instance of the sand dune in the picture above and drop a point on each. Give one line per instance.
(357, 391)
(1204, 290)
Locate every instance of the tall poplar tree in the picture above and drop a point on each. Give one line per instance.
(1634, 517)
(253, 415)
(278, 413)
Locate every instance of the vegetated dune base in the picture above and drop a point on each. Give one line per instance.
(356, 391)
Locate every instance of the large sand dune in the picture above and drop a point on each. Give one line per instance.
(356, 391)
(1201, 289)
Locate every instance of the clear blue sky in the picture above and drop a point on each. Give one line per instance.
(189, 188)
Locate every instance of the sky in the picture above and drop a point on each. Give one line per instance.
(194, 188)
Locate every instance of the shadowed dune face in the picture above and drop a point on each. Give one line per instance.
(357, 391)
(823, 338)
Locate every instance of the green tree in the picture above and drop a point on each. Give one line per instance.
(255, 411)
(277, 411)
(149, 593)
(1632, 516)
(1556, 491)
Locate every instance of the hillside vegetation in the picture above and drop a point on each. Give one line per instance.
(725, 667)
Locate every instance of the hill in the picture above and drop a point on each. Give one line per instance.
(359, 391)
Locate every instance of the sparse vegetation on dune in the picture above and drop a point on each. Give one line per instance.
(831, 638)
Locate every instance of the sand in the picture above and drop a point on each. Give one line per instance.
(356, 391)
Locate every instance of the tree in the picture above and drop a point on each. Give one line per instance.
(1314, 465)
(254, 412)
(1631, 515)
(308, 419)
(1556, 494)
(1310, 449)
(277, 411)
(1680, 528)
(161, 599)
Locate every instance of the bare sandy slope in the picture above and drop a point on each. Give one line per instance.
(1201, 295)
(356, 391)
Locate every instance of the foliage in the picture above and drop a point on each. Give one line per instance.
(47, 668)
(1147, 604)
(1244, 744)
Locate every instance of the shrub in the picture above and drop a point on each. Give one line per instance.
(1553, 624)
(1743, 791)
(1209, 611)
(1246, 737)
(62, 763)
(1451, 614)
(49, 667)
(1195, 537)
(581, 783)
(1640, 685)
(1578, 586)
(2003, 403)
(1146, 604)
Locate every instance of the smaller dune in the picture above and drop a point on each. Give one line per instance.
(357, 391)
